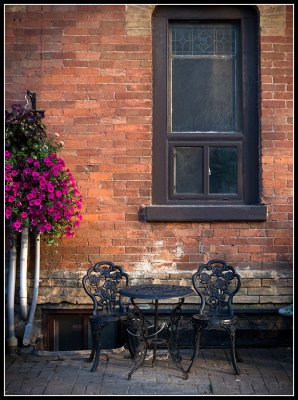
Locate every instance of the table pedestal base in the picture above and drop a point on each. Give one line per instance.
(147, 336)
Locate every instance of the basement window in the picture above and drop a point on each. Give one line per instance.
(69, 330)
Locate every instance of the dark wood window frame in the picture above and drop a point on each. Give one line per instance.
(167, 207)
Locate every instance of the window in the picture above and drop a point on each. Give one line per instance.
(66, 329)
(205, 114)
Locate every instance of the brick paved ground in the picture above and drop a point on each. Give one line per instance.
(263, 372)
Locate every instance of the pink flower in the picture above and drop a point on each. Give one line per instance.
(50, 188)
(48, 226)
(57, 215)
(55, 171)
(58, 193)
(35, 175)
(24, 214)
(61, 163)
(69, 234)
(17, 224)
(47, 161)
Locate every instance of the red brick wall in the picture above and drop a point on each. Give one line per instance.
(91, 69)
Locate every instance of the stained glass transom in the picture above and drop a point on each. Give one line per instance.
(203, 39)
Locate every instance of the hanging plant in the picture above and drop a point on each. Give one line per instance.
(40, 193)
(24, 129)
(41, 199)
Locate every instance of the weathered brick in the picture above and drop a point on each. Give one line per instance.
(92, 70)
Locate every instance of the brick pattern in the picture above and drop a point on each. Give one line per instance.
(91, 67)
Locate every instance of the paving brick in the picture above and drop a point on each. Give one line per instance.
(93, 388)
(55, 388)
(37, 390)
(263, 372)
(78, 389)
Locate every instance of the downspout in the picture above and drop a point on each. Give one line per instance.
(23, 274)
(12, 341)
(28, 327)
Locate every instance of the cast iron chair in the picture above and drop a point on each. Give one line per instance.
(216, 283)
(102, 283)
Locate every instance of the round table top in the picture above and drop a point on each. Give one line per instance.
(156, 291)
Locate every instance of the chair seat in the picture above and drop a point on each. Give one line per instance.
(216, 320)
(106, 318)
(115, 314)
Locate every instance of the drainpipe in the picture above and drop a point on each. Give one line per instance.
(23, 274)
(28, 327)
(12, 341)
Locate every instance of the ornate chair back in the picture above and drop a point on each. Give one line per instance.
(102, 283)
(216, 283)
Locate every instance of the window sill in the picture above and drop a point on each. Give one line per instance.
(193, 213)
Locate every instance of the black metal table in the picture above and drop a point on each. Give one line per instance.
(156, 334)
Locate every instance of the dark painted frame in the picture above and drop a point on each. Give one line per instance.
(166, 207)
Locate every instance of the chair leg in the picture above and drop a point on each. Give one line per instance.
(97, 344)
(231, 329)
(130, 341)
(93, 349)
(197, 328)
(238, 358)
(233, 355)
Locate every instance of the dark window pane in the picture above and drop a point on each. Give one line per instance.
(188, 169)
(203, 96)
(205, 77)
(223, 170)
